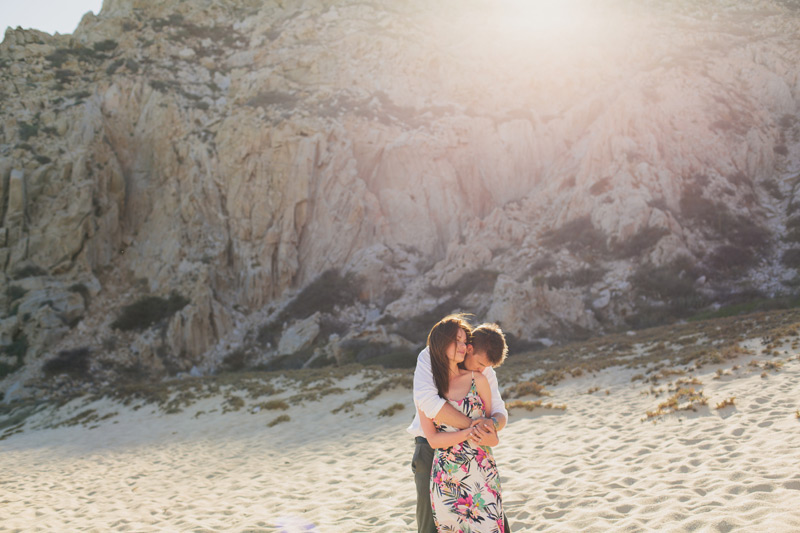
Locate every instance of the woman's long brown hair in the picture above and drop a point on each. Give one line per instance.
(441, 336)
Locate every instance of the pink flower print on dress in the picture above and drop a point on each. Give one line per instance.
(482, 458)
(469, 507)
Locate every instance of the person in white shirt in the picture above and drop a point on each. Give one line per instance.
(486, 349)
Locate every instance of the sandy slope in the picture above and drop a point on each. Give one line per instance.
(595, 467)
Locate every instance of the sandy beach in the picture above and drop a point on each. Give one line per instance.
(601, 464)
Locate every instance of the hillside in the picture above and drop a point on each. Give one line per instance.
(189, 186)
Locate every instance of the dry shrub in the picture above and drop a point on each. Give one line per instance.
(734, 352)
(727, 403)
(147, 311)
(685, 399)
(687, 381)
(279, 420)
(392, 409)
(527, 388)
(71, 362)
(232, 403)
(273, 405)
(531, 405)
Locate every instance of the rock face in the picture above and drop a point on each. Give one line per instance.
(572, 167)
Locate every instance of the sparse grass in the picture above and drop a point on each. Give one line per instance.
(748, 307)
(279, 420)
(714, 341)
(685, 399)
(730, 402)
(531, 405)
(666, 373)
(721, 373)
(687, 381)
(657, 350)
(273, 405)
(232, 404)
(85, 418)
(527, 388)
(392, 409)
(374, 390)
(314, 394)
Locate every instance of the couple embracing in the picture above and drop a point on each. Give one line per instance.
(459, 412)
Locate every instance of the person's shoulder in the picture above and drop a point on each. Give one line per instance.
(480, 378)
(489, 372)
(424, 355)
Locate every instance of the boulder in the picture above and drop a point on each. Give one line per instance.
(299, 335)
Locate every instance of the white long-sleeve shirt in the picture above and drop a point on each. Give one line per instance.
(427, 398)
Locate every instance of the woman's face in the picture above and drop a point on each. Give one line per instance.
(458, 348)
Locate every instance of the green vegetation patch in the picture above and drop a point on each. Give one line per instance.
(71, 362)
(26, 130)
(480, 280)
(578, 235)
(29, 271)
(330, 290)
(148, 311)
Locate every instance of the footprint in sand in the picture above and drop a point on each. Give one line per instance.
(792, 485)
(553, 515)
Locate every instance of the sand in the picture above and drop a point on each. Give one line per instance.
(599, 465)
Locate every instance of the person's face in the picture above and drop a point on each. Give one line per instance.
(458, 348)
(476, 361)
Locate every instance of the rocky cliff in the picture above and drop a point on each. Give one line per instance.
(309, 180)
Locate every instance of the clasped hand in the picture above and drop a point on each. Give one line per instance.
(483, 432)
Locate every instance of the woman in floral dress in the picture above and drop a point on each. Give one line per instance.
(465, 485)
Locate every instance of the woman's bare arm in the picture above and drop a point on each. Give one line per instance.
(441, 439)
(485, 434)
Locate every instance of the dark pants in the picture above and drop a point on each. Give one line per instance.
(421, 465)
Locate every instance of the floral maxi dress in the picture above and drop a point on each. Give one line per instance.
(465, 485)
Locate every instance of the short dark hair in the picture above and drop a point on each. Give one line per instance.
(489, 338)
